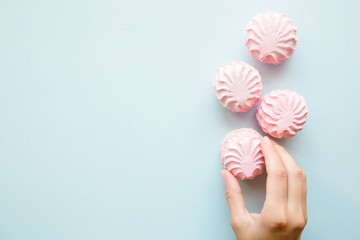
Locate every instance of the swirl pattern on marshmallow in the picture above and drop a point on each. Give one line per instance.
(238, 86)
(241, 153)
(271, 37)
(282, 113)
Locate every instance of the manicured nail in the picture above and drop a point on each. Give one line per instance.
(223, 176)
(267, 140)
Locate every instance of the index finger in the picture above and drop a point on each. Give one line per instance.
(276, 183)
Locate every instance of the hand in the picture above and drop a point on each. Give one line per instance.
(284, 212)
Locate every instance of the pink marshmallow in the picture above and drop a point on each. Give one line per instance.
(282, 113)
(271, 37)
(238, 86)
(241, 154)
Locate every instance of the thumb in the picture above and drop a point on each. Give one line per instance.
(238, 211)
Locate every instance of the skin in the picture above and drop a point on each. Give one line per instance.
(284, 212)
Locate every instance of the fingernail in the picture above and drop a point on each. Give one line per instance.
(223, 176)
(267, 140)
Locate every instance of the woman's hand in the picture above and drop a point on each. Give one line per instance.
(284, 213)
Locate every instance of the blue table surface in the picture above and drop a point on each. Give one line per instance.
(110, 129)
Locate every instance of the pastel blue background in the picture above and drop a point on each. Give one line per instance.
(109, 127)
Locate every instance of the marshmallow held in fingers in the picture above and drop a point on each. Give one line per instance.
(241, 153)
(284, 213)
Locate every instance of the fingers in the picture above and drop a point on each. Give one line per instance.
(238, 211)
(276, 184)
(296, 183)
(285, 204)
